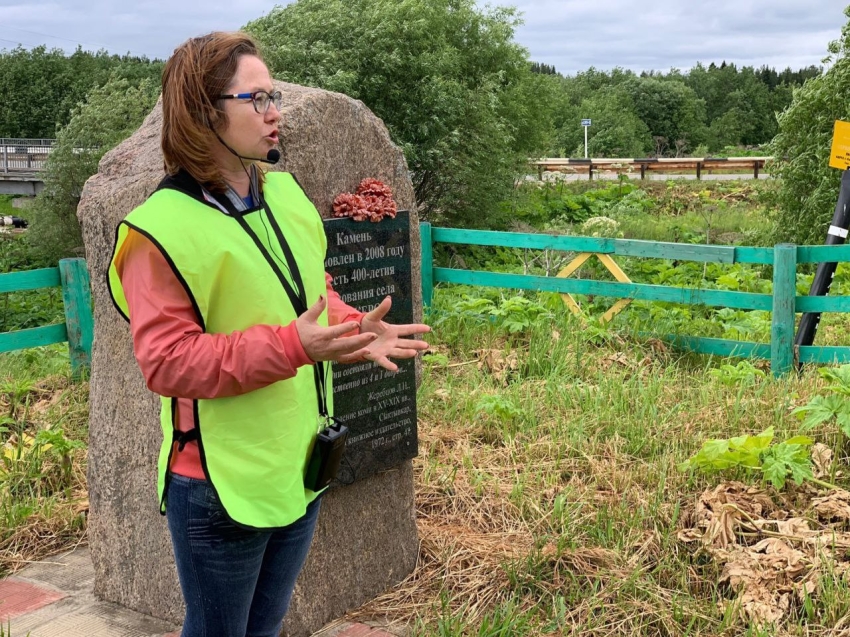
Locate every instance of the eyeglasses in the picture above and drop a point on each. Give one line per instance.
(261, 99)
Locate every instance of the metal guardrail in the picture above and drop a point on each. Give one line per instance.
(783, 302)
(644, 165)
(24, 155)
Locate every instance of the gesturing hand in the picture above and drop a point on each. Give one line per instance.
(390, 341)
(328, 343)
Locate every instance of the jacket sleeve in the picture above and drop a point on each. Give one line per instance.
(338, 310)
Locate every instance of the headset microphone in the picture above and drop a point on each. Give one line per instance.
(272, 157)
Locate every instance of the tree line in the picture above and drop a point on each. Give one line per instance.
(41, 86)
(693, 113)
(666, 114)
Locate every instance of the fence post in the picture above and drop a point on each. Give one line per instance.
(427, 250)
(784, 297)
(76, 295)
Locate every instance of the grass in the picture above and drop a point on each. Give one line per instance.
(43, 431)
(6, 208)
(31, 308)
(547, 491)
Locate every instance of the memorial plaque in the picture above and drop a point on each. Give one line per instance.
(368, 262)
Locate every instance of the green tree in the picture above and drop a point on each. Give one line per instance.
(616, 130)
(108, 116)
(574, 99)
(729, 129)
(808, 186)
(671, 110)
(33, 91)
(454, 89)
(41, 86)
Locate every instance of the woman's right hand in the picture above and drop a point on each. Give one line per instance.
(329, 343)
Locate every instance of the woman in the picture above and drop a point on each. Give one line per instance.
(220, 273)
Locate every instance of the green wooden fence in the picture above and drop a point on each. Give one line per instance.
(78, 328)
(783, 303)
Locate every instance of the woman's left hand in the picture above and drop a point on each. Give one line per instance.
(391, 342)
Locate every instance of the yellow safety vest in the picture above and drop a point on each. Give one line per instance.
(253, 447)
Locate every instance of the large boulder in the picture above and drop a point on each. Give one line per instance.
(366, 539)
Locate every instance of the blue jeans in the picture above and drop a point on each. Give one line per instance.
(236, 582)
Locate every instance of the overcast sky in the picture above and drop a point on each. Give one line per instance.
(572, 35)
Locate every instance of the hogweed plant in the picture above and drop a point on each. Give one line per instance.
(833, 407)
(757, 454)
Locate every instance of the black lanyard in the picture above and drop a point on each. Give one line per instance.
(298, 298)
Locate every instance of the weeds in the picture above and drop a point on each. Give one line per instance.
(548, 495)
(43, 433)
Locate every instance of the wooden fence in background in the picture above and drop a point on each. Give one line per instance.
(783, 302)
(78, 328)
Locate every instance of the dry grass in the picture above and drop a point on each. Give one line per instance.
(43, 496)
(566, 510)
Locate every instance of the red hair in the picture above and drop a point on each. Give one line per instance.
(195, 75)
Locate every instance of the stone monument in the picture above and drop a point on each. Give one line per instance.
(366, 538)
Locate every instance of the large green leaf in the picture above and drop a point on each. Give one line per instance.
(822, 409)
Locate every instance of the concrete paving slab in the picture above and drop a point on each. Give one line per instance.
(70, 572)
(101, 620)
(77, 613)
(55, 598)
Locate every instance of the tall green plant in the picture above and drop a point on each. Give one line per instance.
(109, 115)
(809, 187)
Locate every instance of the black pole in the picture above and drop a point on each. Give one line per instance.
(826, 271)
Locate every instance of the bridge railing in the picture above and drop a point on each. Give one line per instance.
(24, 155)
(783, 303)
(78, 328)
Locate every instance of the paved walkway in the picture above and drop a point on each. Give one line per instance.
(55, 598)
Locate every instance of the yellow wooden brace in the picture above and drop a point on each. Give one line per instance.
(612, 267)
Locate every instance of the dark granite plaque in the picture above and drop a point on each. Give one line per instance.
(368, 262)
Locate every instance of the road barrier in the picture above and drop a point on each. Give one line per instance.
(26, 155)
(647, 165)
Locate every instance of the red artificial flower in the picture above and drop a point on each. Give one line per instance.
(373, 201)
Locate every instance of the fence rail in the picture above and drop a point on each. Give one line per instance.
(78, 328)
(24, 155)
(647, 165)
(783, 303)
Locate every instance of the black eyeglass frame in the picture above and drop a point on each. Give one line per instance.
(272, 98)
